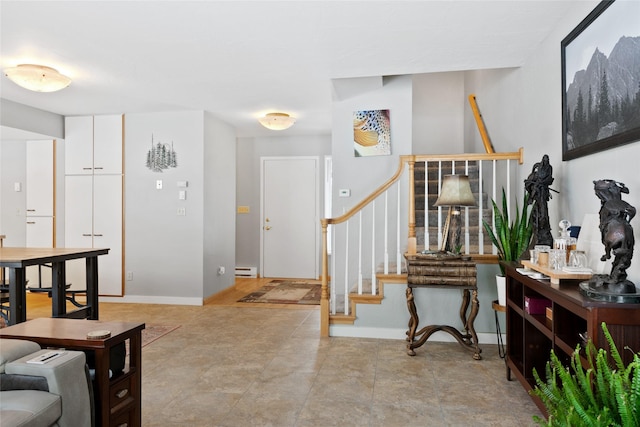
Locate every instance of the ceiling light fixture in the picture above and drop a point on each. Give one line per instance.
(277, 121)
(37, 78)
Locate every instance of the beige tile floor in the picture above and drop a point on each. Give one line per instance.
(252, 366)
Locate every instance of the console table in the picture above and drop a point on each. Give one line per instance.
(574, 319)
(441, 271)
(117, 398)
(18, 259)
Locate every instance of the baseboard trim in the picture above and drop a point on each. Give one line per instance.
(145, 299)
(401, 334)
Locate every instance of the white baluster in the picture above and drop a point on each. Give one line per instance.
(373, 248)
(427, 237)
(480, 208)
(386, 232)
(346, 272)
(398, 246)
(360, 253)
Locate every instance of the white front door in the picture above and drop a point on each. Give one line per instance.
(289, 213)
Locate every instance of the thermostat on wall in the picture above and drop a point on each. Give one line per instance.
(344, 192)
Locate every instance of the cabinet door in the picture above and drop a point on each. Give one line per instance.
(78, 204)
(107, 144)
(39, 188)
(40, 232)
(78, 145)
(39, 235)
(107, 231)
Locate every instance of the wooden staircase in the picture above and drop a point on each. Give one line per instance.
(358, 244)
(422, 177)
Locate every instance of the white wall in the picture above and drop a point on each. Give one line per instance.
(164, 251)
(33, 120)
(249, 152)
(219, 204)
(13, 161)
(438, 113)
(362, 175)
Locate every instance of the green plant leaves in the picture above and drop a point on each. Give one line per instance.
(602, 395)
(511, 238)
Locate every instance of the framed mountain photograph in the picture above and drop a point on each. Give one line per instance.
(601, 80)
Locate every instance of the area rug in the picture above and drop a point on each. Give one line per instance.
(303, 292)
(153, 332)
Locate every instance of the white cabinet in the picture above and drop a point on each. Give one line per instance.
(93, 144)
(39, 194)
(94, 220)
(40, 178)
(93, 196)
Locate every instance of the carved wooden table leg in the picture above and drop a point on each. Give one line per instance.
(463, 313)
(475, 307)
(413, 321)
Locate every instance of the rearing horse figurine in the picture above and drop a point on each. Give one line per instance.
(615, 230)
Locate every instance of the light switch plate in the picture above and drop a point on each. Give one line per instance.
(159, 184)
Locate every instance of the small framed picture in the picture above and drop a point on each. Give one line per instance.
(371, 133)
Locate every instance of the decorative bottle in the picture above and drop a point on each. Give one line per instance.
(565, 241)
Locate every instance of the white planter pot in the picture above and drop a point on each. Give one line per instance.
(501, 283)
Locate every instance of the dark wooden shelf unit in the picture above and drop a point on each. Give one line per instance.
(531, 337)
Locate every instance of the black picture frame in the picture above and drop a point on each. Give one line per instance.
(584, 132)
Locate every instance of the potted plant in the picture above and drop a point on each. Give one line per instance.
(510, 237)
(603, 394)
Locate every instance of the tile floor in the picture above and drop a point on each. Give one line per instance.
(252, 366)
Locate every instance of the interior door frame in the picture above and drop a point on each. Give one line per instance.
(316, 213)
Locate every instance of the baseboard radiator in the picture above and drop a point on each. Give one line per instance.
(251, 272)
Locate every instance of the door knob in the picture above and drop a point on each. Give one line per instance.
(267, 227)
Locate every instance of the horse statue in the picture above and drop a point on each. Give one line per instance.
(617, 235)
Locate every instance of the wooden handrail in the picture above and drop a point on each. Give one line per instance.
(515, 155)
(384, 187)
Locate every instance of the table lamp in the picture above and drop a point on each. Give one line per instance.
(455, 192)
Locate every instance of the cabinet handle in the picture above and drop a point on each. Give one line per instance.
(87, 169)
(98, 235)
(98, 168)
(31, 222)
(86, 235)
(31, 210)
(122, 393)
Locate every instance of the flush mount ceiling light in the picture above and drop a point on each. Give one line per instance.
(277, 121)
(37, 78)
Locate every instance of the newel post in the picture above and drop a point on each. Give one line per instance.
(324, 295)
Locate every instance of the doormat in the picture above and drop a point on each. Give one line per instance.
(153, 332)
(286, 292)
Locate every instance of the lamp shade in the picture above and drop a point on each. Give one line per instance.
(37, 78)
(277, 121)
(455, 191)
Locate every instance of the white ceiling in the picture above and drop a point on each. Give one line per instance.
(241, 59)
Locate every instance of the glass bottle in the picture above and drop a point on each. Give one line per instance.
(565, 241)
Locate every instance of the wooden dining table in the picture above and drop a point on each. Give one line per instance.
(16, 260)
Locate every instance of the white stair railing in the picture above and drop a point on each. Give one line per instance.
(392, 207)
